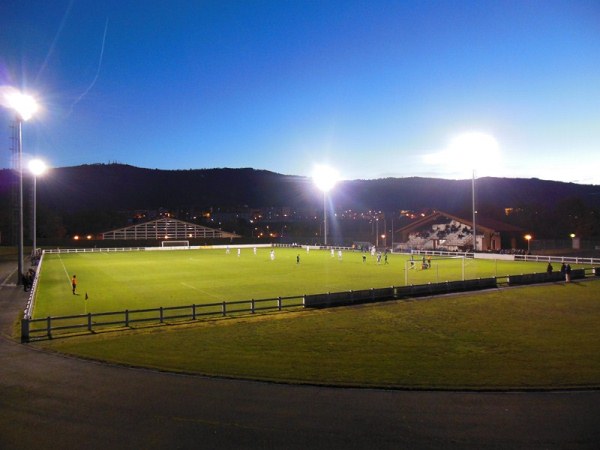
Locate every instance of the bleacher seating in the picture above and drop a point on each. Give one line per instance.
(450, 235)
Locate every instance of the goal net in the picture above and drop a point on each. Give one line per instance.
(184, 244)
(422, 269)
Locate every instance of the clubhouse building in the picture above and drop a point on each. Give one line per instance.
(446, 232)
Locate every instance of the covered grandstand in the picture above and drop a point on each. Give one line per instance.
(443, 231)
(167, 228)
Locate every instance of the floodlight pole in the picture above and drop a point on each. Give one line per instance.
(325, 217)
(474, 213)
(19, 124)
(37, 168)
(24, 106)
(34, 238)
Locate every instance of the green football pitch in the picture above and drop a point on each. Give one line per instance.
(115, 281)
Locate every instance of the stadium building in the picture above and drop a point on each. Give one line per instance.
(166, 228)
(443, 231)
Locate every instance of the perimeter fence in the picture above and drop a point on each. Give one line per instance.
(49, 327)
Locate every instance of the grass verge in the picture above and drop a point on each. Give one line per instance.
(543, 337)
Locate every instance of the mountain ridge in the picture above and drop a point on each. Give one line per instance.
(125, 187)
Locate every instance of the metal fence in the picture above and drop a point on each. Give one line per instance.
(49, 327)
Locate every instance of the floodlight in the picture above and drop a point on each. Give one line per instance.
(37, 167)
(478, 148)
(325, 177)
(474, 146)
(24, 105)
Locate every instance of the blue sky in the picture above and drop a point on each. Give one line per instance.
(374, 88)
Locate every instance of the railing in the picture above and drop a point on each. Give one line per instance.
(31, 299)
(141, 249)
(559, 259)
(438, 253)
(49, 326)
(95, 250)
(46, 327)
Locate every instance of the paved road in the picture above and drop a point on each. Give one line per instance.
(52, 401)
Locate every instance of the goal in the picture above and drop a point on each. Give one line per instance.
(184, 244)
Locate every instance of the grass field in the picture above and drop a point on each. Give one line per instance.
(117, 281)
(525, 338)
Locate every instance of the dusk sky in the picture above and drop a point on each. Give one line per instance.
(374, 88)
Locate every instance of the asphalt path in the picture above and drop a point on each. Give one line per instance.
(52, 401)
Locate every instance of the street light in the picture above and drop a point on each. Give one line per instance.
(528, 237)
(25, 106)
(37, 167)
(325, 179)
(575, 241)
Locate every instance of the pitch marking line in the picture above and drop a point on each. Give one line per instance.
(66, 273)
(199, 290)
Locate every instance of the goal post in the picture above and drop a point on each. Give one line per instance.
(180, 244)
(432, 264)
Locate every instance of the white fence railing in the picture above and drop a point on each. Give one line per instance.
(96, 250)
(559, 259)
(43, 328)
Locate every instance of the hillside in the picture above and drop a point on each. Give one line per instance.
(101, 197)
(122, 187)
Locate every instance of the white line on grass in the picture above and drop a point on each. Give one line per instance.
(66, 273)
(199, 290)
